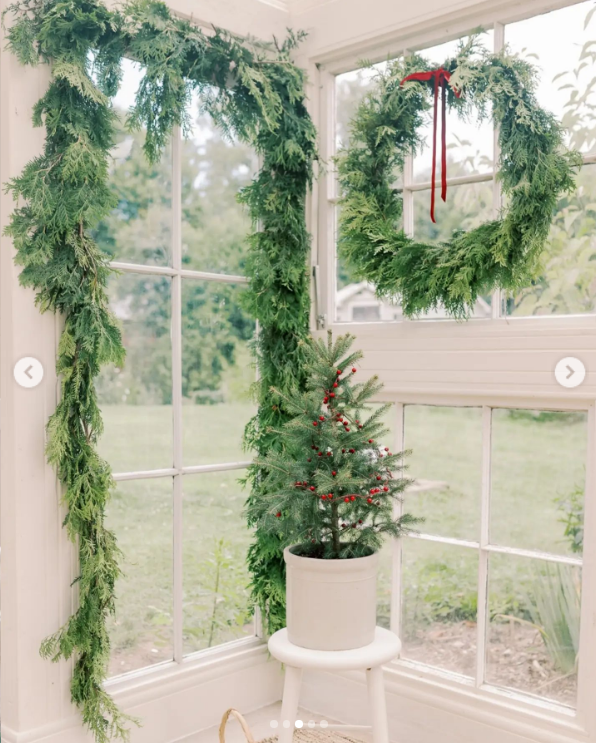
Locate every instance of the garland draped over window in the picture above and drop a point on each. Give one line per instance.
(251, 90)
(534, 168)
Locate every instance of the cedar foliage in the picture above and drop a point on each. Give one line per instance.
(331, 487)
(250, 89)
(534, 168)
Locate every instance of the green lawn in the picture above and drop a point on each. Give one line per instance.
(534, 463)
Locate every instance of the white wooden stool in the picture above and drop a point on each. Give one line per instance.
(370, 658)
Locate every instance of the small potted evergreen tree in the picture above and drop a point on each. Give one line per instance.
(330, 491)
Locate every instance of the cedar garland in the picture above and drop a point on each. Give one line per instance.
(251, 90)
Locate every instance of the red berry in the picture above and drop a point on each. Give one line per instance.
(353, 370)
(334, 473)
(352, 497)
(389, 453)
(323, 497)
(332, 394)
(309, 460)
(321, 417)
(343, 451)
(347, 500)
(347, 430)
(386, 489)
(378, 477)
(305, 483)
(360, 425)
(371, 441)
(352, 451)
(315, 423)
(312, 446)
(312, 488)
(380, 456)
(330, 496)
(320, 454)
(343, 526)
(386, 448)
(278, 514)
(353, 526)
(335, 384)
(338, 372)
(359, 521)
(325, 400)
(328, 453)
(369, 500)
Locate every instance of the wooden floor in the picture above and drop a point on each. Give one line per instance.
(260, 725)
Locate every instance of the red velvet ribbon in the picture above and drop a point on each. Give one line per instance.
(441, 79)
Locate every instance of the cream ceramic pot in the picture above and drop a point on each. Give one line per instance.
(331, 604)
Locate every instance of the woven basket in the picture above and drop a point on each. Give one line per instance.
(243, 724)
(300, 736)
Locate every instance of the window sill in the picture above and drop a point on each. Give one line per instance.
(509, 710)
(148, 684)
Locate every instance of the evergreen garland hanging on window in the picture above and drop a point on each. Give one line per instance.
(534, 169)
(251, 90)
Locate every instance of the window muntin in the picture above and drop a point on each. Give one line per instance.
(531, 587)
(188, 368)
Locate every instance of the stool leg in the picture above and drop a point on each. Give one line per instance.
(289, 704)
(376, 701)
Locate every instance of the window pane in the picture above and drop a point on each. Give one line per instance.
(136, 399)
(567, 78)
(469, 142)
(216, 538)
(567, 284)
(467, 207)
(139, 229)
(384, 579)
(439, 601)
(350, 89)
(214, 225)
(533, 636)
(140, 514)
(537, 480)
(446, 465)
(355, 301)
(217, 372)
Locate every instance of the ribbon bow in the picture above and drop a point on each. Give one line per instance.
(441, 79)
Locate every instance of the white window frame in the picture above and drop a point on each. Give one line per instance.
(436, 686)
(178, 470)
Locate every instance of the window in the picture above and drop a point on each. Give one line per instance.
(175, 412)
(487, 597)
(491, 583)
(567, 283)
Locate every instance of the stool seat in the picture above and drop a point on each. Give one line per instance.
(370, 659)
(382, 649)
